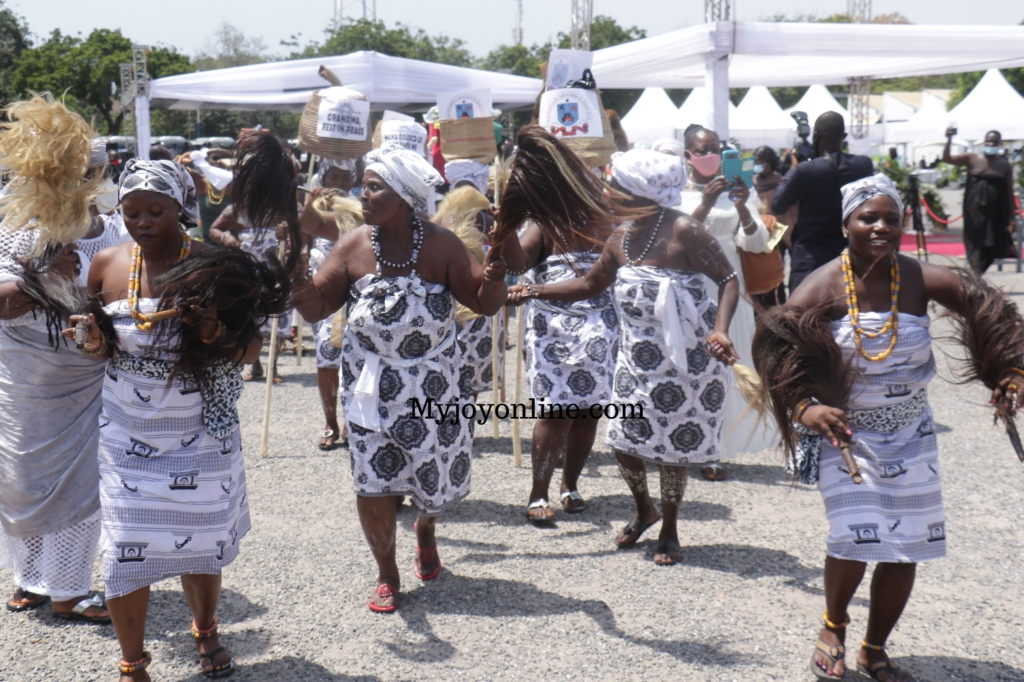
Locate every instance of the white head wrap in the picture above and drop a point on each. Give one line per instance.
(98, 155)
(669, 145)
(651, 175)
(465, 170)
(856, 193)
(163, 177)
(407, 173)
(328, 164)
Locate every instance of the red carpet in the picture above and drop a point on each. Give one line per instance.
(942, 245)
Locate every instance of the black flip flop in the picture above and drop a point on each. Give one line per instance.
(633, 526)
(217, 673)
(880, 667)
(39, 600)
(668, 547)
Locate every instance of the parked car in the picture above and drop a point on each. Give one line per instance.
(176, 144)
(211, 142)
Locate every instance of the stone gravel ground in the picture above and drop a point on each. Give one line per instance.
(516, 602)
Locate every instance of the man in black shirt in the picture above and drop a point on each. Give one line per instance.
(815, 186)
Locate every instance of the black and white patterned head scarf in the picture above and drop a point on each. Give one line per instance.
(327, 164)
(856, 193)
(406, 172)
(163, 177)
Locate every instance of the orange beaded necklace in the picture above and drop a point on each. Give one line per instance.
(892, 324)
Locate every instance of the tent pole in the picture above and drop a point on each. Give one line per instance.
(142, 133)
(716, 80)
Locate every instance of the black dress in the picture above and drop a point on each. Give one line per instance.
(986, 220)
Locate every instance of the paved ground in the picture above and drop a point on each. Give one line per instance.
(520, 603)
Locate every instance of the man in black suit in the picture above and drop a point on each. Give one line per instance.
(815, 186)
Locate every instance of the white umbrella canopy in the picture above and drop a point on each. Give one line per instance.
(993, 104)
(652, 118)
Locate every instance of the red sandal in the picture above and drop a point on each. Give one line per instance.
(426, 556)
(384, 591)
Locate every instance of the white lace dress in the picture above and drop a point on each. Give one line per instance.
(49, 432)
(741, 430)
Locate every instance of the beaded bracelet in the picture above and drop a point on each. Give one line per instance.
(129, 667)
(1016, 370)
(722, 281)
(801, 407)
(221, 330)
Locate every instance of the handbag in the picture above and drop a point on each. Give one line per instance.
(764, 272)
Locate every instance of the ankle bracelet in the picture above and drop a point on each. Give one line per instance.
(129, 667)
(872, 647)
(204, 634)
(834, 626)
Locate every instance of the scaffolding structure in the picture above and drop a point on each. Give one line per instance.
(582, 17)
(717, 10)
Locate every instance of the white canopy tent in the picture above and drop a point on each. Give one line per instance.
(993, 104)
(736, 54)
(927, 125)
(816, 101)
(652, 118)
(759, 120)
(695, 109)
(388, 83)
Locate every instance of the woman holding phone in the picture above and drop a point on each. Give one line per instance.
(728, 210)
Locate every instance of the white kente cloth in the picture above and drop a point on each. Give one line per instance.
(896, 514)
(742, 431)
(663, 365)
(570, 347)
(173, 495)
(328, 356)
(476, 343)
(399, 349)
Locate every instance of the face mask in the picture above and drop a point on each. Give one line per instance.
(706, 165)
(758, 168)
(106, 201)
(991, 151)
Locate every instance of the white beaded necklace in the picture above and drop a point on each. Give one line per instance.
(417, 241)
(650, 242)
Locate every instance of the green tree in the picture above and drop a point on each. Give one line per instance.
(87, 71)
(14, 39)
(354, 35)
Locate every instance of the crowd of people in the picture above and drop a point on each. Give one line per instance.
(131, 304)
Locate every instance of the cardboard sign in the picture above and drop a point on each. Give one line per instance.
(565, 66)
(465, 104)
(342, 116)
(403, 130)
(571, 113)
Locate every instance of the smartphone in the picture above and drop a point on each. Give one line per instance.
(733, 165)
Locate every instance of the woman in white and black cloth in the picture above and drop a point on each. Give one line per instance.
(49, 496)
(655, 266)
(401, 278)
(172, 472)
(870, 306)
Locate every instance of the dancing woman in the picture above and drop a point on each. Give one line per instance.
(872, 303)
(172, 476)
(49, 393)
(663, 370)
(568, 349)
(400, 278)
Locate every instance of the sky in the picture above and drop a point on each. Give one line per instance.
(482, 24)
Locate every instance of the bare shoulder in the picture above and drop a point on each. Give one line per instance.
(199, 247)
(349, 240)
(442, 235)
(934, 275)
(112, 254)
(820, 286)
(684, 225)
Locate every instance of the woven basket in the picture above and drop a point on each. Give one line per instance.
(329, 147)
(763, 272)
(594, 151)
(468, 138)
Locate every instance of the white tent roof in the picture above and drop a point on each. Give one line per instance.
(387, 82)
(696, 108)
(816, 101)
(993, 104)
(927, 125)
(652, 118)
(759, 120)
(759, 111)
(790, 53)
